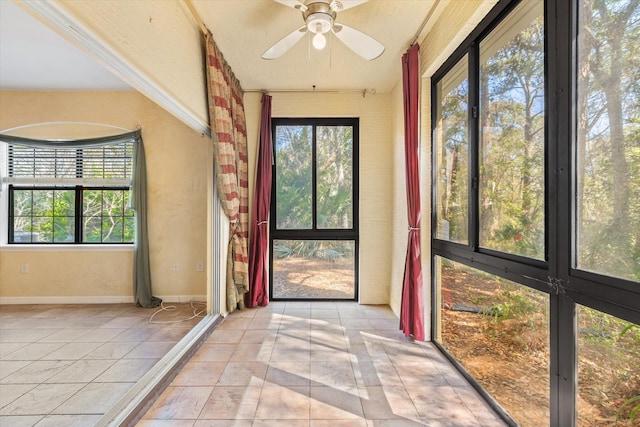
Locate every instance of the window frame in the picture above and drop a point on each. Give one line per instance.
(78, 216)
(556, 275)
(315, 233)
(77, 183)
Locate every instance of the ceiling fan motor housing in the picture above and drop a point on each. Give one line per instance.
(319, 17)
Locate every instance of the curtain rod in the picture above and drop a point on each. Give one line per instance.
(364, 92)
(196, 17)
(424, 23)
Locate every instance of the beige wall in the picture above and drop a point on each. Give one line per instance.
(375, 171)
(456, 22)
(177, 204)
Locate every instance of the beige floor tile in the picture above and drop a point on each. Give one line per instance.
(100, 335)
(289, 373)
(252, 353)
(9, 347)
(166, 423)
(199, 374)
(226, 336)
(260, 336)
(20, 420)
(8, 367)
(439, 402)
(112, 350)
(214, 352)
(233, 322)
(41, 400)
(126, 370)
(243, 374)
(11, 392)
(338, 423)
(33, 351)
(68, 420)
(24, 335)
(134, 334)
(229, 403)
(66, 335)
(384, 403)
(94, 398)
(179, 403)
(81, 371)
(150, 350)
(333, 374)
(166, 334)
(72, 351)
(329, 403)
(283, 402)
(281, 423)
(36, 372)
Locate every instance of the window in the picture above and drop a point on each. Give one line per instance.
(536, 210)
(314, 223)
(70, 195)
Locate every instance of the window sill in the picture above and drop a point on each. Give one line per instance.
(67, 248)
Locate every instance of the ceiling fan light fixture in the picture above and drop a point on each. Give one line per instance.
(319, 41)
(319, 22)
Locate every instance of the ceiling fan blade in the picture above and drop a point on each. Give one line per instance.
(340, 5)
(285, 43)
(362, 44)
(296, 4)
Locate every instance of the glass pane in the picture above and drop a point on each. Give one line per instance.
(42, 230)
(293, 177)
(64, 203)
(511, 187)
(22, 200)
(112, 228)
(499, 332)
(314, 269)
(42, 202)
(608, 139)
(451, 143)
(608, 370)
(64, 229)
(113, 203)
(91, 203)
(92, 229)
(334, 177)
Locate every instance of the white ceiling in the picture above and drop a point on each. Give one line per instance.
(244, 29)
(32, 56)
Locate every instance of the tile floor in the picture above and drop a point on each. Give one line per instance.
(317, 364)
(66, 365)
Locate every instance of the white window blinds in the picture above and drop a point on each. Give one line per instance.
(107, 165)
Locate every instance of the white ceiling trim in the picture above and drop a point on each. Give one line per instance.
(70, 26)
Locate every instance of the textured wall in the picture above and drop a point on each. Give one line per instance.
(159, 38)
(375, 171)
(177, 186)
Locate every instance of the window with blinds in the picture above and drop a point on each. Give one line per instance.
(110, 164)
(70, 195)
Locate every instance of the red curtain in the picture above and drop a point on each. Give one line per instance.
(258, 274)
(412, 305)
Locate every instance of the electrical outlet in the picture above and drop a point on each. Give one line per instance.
(176, 268)
(24, 268)
(199, 267)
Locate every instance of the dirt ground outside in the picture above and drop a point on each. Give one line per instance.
(499, 332)
(313, 278)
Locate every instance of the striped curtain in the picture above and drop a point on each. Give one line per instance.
(228, 129)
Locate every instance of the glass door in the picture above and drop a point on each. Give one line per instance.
(314, 211)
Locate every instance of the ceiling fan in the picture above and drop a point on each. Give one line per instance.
(319, 18)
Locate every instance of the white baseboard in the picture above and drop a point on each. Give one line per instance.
(117, 299)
